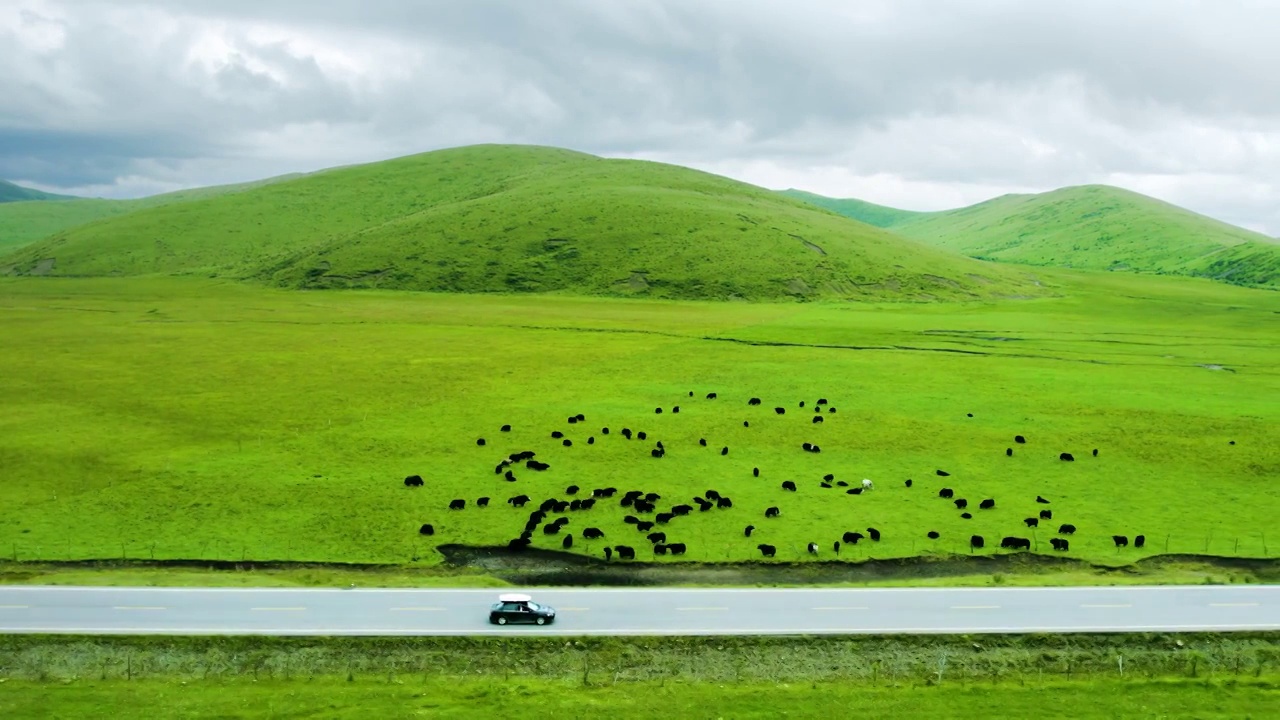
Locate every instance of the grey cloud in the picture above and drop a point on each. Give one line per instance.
(977, 93)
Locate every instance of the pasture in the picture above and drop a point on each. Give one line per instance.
(195, 419)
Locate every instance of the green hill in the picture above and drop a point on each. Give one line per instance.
(879, 215)
(1091, 226)
(521, 219)
(16, 193)
(25, 222)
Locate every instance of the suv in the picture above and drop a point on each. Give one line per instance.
(514, 608)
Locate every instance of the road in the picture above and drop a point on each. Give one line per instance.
(670, 611)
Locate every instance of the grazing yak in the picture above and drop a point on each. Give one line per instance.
(458, 504)
(626, 552)
(592, 533)
(946, 493)
(1066, 457)
(413, 481)
(746, 532)
(1031, 522)
(933, 535)
(772, 512)
(1015, 543)
(767, 550)
(567, 542)
(788, 485)
(867, 484)
(961, 504)
(987, 504)
(976, 541)
(427, 529)
(1060, 544)
(1120, 540)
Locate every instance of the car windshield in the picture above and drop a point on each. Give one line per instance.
(533, 606)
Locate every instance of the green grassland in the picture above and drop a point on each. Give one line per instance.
(329, 697)
(198, 419)
(978, 676)
(522, 219)
(1092, 226)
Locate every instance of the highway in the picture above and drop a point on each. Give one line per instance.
(614, 611)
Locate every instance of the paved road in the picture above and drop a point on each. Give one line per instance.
(261, 611)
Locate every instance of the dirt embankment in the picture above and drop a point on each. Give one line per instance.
(550, 568)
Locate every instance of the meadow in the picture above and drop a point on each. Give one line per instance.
(197, 419)
(979, 677)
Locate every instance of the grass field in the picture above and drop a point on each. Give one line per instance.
(196, 419)
(521, 219)
(470, 698)
(1093, 226)
(980, 677)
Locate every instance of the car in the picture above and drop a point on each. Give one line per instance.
(517, 608)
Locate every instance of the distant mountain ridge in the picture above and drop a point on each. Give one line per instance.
(1090, 226)
(11, 192)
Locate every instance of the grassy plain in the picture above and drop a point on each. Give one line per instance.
(522, 219)
(189, 419)
(978, 676)
(531, 698)
(1091, 226)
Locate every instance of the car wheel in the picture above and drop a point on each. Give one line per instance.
(541, 621)
(502, 621)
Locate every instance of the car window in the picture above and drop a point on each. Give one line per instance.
(533, 606)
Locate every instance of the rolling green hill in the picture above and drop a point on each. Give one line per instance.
(25, 221)
(521, 219)
(16, 193)
(881, 216)
(1092, 226)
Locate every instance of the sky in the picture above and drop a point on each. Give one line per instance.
(919, 104)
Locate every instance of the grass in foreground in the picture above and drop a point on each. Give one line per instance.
(196, 420)
(979, 676)
(525, 698)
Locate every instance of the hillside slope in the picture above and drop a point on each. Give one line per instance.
(10, 192)
(25, 222)
(522, 219)
(882, 216)
(1092, 226)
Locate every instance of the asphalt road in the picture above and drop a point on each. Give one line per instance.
(261, 611)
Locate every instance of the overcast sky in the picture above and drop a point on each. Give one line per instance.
(913, 103)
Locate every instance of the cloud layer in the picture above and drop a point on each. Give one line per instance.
(921, 104)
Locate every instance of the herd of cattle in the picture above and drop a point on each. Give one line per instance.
(644, 504)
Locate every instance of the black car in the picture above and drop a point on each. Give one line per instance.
(515, 608)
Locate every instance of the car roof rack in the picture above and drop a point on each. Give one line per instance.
(514, 598)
